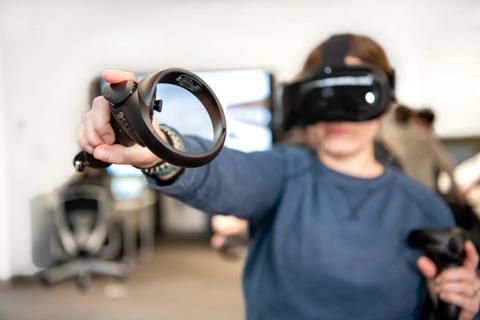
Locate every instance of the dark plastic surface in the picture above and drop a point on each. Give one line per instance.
(318, 95)
(84, 159)
(446, 249)
(117, 93)
(132, 105)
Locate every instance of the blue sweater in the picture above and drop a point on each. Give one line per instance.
(324, 245)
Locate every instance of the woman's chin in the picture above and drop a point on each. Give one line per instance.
(339, 150)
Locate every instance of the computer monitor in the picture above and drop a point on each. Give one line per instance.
(245, 95)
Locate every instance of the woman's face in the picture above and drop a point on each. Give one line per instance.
(343, 138)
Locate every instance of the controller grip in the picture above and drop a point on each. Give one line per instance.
(445, 247)
(84, 159)
(446, 311)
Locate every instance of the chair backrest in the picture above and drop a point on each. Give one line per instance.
(81, 218)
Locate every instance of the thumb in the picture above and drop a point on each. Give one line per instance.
(115, 76)
(116, 153)
(427, 267)
(471, 256)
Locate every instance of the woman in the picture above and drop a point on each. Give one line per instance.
(328, 226)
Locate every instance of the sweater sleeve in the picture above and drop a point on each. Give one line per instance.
(246, 185)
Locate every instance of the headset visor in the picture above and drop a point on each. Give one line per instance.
(343, 93)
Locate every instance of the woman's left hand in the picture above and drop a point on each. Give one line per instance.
(459, 285)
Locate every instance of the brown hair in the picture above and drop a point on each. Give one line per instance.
(403, 114)
(427, 116)
(362, 47)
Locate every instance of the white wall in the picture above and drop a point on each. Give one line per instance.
(53, 49)
(4, 195)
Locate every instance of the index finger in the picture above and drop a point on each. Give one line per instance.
(100, 120)
(115, 76)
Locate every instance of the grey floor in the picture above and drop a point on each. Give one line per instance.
(182, 281)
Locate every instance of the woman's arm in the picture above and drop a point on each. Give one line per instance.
(246, 185)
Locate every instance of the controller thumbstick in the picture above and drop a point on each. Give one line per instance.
(454, 246)
(116, 93)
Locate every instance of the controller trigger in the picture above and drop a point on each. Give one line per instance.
(456, 245)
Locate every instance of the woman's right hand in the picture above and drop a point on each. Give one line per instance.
(96, 135)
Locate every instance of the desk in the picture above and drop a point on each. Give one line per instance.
(137, 215)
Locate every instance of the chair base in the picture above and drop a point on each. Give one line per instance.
(83, 270)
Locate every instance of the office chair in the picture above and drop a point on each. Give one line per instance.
(83, 241)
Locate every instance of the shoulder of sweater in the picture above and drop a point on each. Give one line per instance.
(298, 160)
(430, 203)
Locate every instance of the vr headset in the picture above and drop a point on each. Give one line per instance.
(337, 92)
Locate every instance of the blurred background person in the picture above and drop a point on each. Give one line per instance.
(411, 137)
(230, 235)
(467, 174)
